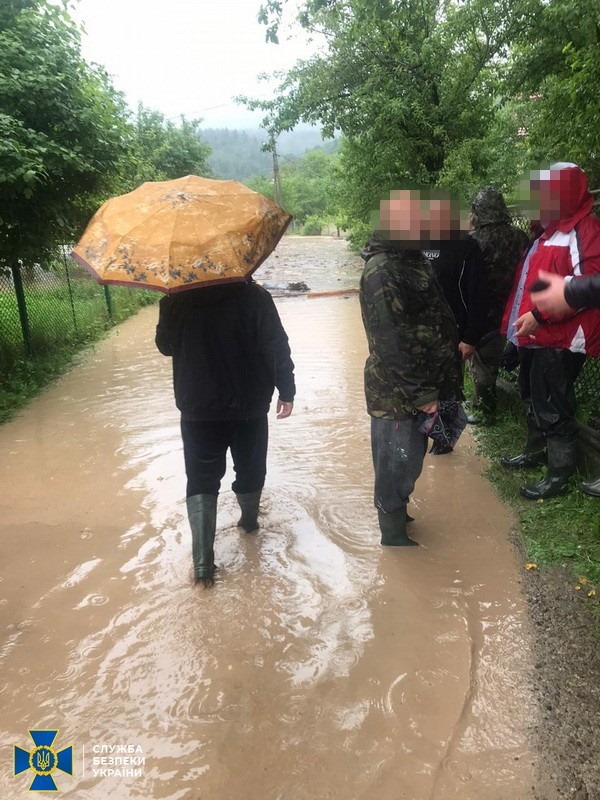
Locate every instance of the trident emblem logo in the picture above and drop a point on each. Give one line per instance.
(43, 760)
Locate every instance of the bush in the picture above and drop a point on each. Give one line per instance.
(313, 226)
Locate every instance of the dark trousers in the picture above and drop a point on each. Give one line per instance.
(398, 449)
(547, 384)
(205, 446)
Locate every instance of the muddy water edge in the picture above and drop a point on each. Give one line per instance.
(320, 665)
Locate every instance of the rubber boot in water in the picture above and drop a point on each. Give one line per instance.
(202, 514)
(249, 504)
(393, 529)
(534, 455)
(561, 465)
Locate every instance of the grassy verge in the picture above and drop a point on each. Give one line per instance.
(562, 531)
(62, 323)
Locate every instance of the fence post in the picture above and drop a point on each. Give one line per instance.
(109, 305)
(22, 305)
(70, 290)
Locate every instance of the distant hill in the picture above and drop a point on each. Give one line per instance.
(237, 154)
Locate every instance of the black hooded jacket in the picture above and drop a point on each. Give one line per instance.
(229, 351)
(461, 272)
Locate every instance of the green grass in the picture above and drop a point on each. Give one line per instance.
(562, 531)
(59, 330)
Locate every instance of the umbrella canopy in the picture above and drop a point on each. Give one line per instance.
(181, 234)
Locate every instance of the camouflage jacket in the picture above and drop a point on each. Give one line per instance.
(412, 335)
(502, 245)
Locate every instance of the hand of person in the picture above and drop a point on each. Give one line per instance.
(526, 325)
(429, 408)
(466, 350)
(552, 299)
(284, 409)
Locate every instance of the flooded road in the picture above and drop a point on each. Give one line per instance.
(320, 665)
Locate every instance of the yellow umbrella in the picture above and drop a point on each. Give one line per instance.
(178, 235)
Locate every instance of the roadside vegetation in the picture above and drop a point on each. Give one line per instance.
(561, 532)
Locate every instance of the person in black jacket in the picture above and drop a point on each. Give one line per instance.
(229, 352)
(461, 271)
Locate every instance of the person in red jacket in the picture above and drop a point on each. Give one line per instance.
(552, 350)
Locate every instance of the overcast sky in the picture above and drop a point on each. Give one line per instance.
(186, 56)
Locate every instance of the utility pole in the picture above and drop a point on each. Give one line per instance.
(276, 177)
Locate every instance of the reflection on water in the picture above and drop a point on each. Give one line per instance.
(320, 666)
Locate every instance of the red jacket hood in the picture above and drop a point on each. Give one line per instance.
(576, 202)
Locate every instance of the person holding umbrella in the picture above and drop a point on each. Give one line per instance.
(199, 241)
(229, 352)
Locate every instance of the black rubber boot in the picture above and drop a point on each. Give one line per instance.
(561, 465)
(202, 514)
(249, 504)
(591, 487)
(393, 529)
(534, 455)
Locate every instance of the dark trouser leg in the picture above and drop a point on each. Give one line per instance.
(204, 449)
(484, 372)
(249, 451)
(398, 449)
(552, 381)
(534, 454)
(553, 404)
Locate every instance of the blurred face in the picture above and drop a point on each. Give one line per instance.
(402, 215)
(444, 219)
(545, 199)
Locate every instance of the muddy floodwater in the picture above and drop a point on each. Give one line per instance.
(320, 665)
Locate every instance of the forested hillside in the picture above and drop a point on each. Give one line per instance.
(238, 154)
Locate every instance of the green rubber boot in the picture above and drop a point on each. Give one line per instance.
(393, 529)
(202, 514)
(249, 505)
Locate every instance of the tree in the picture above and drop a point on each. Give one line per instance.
(556, 69)
(63, 131)
(308, 186)
(414, 85)
(164, 151)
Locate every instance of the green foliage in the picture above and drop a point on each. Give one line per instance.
(557, 67)
(313, 226)
(413, 86)
(63, 131)
(563, 531)
(308, 186)
(164, 151)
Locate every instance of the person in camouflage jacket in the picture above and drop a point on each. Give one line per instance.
(502, 245)
(413, 363)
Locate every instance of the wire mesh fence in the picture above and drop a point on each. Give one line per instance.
(48, 313)
(587, 387)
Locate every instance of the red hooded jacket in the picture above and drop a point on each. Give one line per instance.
(569, 247)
